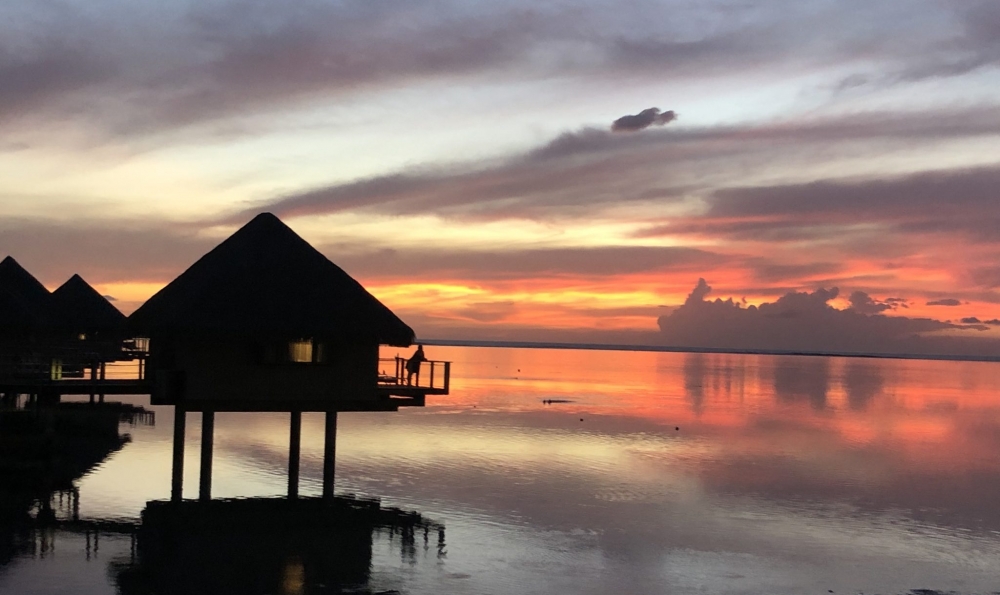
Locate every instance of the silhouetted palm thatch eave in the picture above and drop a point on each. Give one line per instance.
(266, 280)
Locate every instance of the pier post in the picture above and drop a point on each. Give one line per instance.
(100, 397)
(329, 454)
(207, 436)
(294, 447)
(177, 478)
(93, 381)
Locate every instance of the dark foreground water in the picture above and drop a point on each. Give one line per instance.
(660, 473)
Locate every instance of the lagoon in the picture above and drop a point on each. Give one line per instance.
(588, 471)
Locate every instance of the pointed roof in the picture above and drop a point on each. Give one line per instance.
(266, 279)
(79, 307)
(15, 279)
(24, 301)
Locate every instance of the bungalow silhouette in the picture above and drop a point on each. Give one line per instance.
(265, 322)
(55, 335)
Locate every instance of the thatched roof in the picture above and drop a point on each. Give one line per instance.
(24, 302)
(265, 279)
(78, 307)
(21, 283)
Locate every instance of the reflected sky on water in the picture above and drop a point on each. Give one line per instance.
(650, 473)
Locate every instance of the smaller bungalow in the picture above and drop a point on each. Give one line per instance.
(25, 323)
(51, 336)
(90, 330)
(265, 322)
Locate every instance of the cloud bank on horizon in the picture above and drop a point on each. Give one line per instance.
(806, 323)
(487, 184)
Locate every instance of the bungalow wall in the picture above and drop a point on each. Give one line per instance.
(261, 373)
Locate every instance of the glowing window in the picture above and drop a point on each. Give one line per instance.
(300, 351)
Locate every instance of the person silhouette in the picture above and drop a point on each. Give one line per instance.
(413, 364)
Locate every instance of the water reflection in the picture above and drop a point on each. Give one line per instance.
(863, 381)
(250, 546)
(694, 380)
(663, 473)
(265, 545)
(799, 378)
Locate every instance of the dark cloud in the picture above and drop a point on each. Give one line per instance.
(644, 119)
(960, 202)
(863, 303)
(506, 264)
(131, 70)
(767, 271)
(971, 320)
(945, 302)
(805, 322)
(111, 298)
(985, 276)
(180, 64)
(975, 44)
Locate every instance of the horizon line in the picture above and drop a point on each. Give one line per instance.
(712, 350)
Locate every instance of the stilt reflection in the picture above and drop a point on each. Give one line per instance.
(264, 545)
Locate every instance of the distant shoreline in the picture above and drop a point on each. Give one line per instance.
(664, 349)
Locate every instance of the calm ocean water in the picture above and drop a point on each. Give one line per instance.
(651, 473)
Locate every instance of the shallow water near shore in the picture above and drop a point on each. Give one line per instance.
(564, 471)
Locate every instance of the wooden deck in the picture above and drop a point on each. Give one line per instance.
(76, 387)
(393, 390)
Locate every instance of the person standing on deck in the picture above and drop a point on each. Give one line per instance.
(413, 364)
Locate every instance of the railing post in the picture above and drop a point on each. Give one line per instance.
(447, 376)
(433, 365)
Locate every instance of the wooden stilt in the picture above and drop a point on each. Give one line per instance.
(294, 447)
(330, 454)
(100, 397)
(207, 437)
(177, 479)
(93, 381)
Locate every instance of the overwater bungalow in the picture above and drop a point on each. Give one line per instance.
(90, 330)
(263, 322)
(46, 337)
(266, 322)
(25, 323)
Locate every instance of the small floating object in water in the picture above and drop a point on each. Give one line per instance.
(551, 401)
(581, 419)
(678, 428)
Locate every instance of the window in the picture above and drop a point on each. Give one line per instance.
(300, 351)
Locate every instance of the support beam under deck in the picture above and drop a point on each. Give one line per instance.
(294, 447)
(330, 454)
(207, 437)
(177, 478)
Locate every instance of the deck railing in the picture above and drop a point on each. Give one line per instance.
(432, 374)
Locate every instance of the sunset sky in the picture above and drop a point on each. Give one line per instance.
(459, 158)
